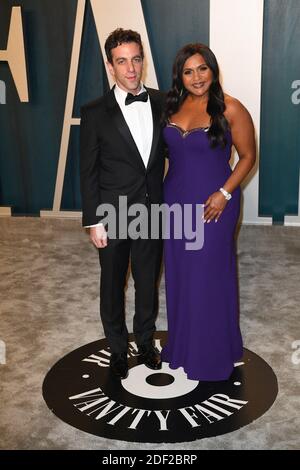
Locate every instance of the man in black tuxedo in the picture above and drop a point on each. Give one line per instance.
(122, 154)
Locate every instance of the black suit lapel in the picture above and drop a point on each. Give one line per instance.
(120, 123)
(156, 115)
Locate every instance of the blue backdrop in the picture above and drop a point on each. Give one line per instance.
(30, 133)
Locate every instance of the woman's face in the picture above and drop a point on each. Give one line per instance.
(196, 75)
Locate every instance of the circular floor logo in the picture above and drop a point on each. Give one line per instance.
(155, 406)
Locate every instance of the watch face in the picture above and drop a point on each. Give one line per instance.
(154, 406)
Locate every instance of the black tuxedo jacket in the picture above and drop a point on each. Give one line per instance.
(110, 163)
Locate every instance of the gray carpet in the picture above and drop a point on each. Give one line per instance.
(49, 284)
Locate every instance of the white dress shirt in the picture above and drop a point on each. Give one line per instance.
(138, 117)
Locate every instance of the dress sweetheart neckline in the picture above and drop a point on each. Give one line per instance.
(184, 132)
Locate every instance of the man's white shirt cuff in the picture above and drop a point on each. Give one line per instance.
(95, 225)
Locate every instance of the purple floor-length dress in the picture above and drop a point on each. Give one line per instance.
(201, 286)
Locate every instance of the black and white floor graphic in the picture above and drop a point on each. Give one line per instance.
(155, 406)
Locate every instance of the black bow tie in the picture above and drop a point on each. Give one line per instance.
(130, 98)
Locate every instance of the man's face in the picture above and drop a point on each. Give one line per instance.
(127, 66)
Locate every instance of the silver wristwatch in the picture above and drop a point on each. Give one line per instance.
(225, 194)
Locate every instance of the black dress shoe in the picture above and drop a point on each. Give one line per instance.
(119, 365)
(149, 356)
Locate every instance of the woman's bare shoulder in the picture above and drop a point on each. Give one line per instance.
(234, 108)
(232, 104)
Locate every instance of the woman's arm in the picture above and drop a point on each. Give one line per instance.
(242, 131)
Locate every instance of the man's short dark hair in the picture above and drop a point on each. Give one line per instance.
(120, 36)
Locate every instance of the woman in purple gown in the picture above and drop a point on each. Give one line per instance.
(201, 125)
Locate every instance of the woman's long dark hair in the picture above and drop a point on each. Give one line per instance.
(215, 106)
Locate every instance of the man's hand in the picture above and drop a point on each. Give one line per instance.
(98, 236)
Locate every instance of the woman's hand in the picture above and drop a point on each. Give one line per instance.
(214, 206)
